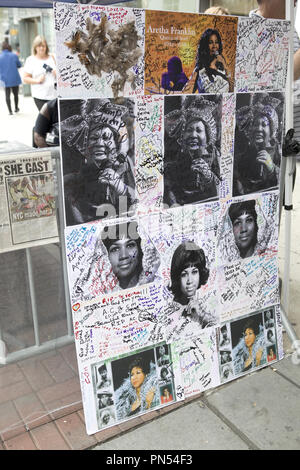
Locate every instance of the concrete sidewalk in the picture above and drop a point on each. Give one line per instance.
(259, 411)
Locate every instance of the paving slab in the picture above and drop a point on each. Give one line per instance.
(289, 368)
(264, 406)
(191, 427)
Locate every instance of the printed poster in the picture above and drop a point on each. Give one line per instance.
(170, 175)
(189, 53)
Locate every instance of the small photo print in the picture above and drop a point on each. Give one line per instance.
(103, 394)
(103, 380)
(166, 394)
(163, 356)
(271, 353)
(252, 345)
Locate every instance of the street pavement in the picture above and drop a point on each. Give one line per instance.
(258, 411)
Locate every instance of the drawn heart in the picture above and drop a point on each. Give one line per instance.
(142, 125)
(76, 307)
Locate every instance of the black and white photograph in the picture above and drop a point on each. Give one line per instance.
(192, 149)
(106, 417)
(98, 158)
(105, 399)
(269, 318)
(103, 379)
(258, 141)
(224, 338)
(225, 357)
(249, 228)
(270, 335)
(226, 372)
(130, 264)
(189, 307)
(162, 355)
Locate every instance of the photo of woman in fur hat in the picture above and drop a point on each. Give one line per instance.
(136, 384)
(98, 158)
(258, 137)
(248, 343)
(192, 149)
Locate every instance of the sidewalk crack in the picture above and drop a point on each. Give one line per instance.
(230, 425)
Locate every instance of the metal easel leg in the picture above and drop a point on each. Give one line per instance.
(287, 326)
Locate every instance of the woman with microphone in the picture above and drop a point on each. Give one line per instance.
(257, 144)
(211, 68)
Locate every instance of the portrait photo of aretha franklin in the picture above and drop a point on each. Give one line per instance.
(248, 343)
(249, 228)
(98, 158)
(258, 139)
(211, 68)
(189, 272)
(136, 384)
(192, 149)
(123, 244)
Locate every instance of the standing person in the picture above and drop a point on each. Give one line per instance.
(217, 10)
(9, 74)
(40, 72)
(175, 78)
(47, 124)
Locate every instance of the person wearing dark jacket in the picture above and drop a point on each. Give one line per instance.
(46, 132)
(9, 75)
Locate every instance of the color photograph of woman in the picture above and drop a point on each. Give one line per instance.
(271, 353)
(166, 394)
(210, 74)
(258, 140)
(248, 343)
(135, 383)
(189, 53)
